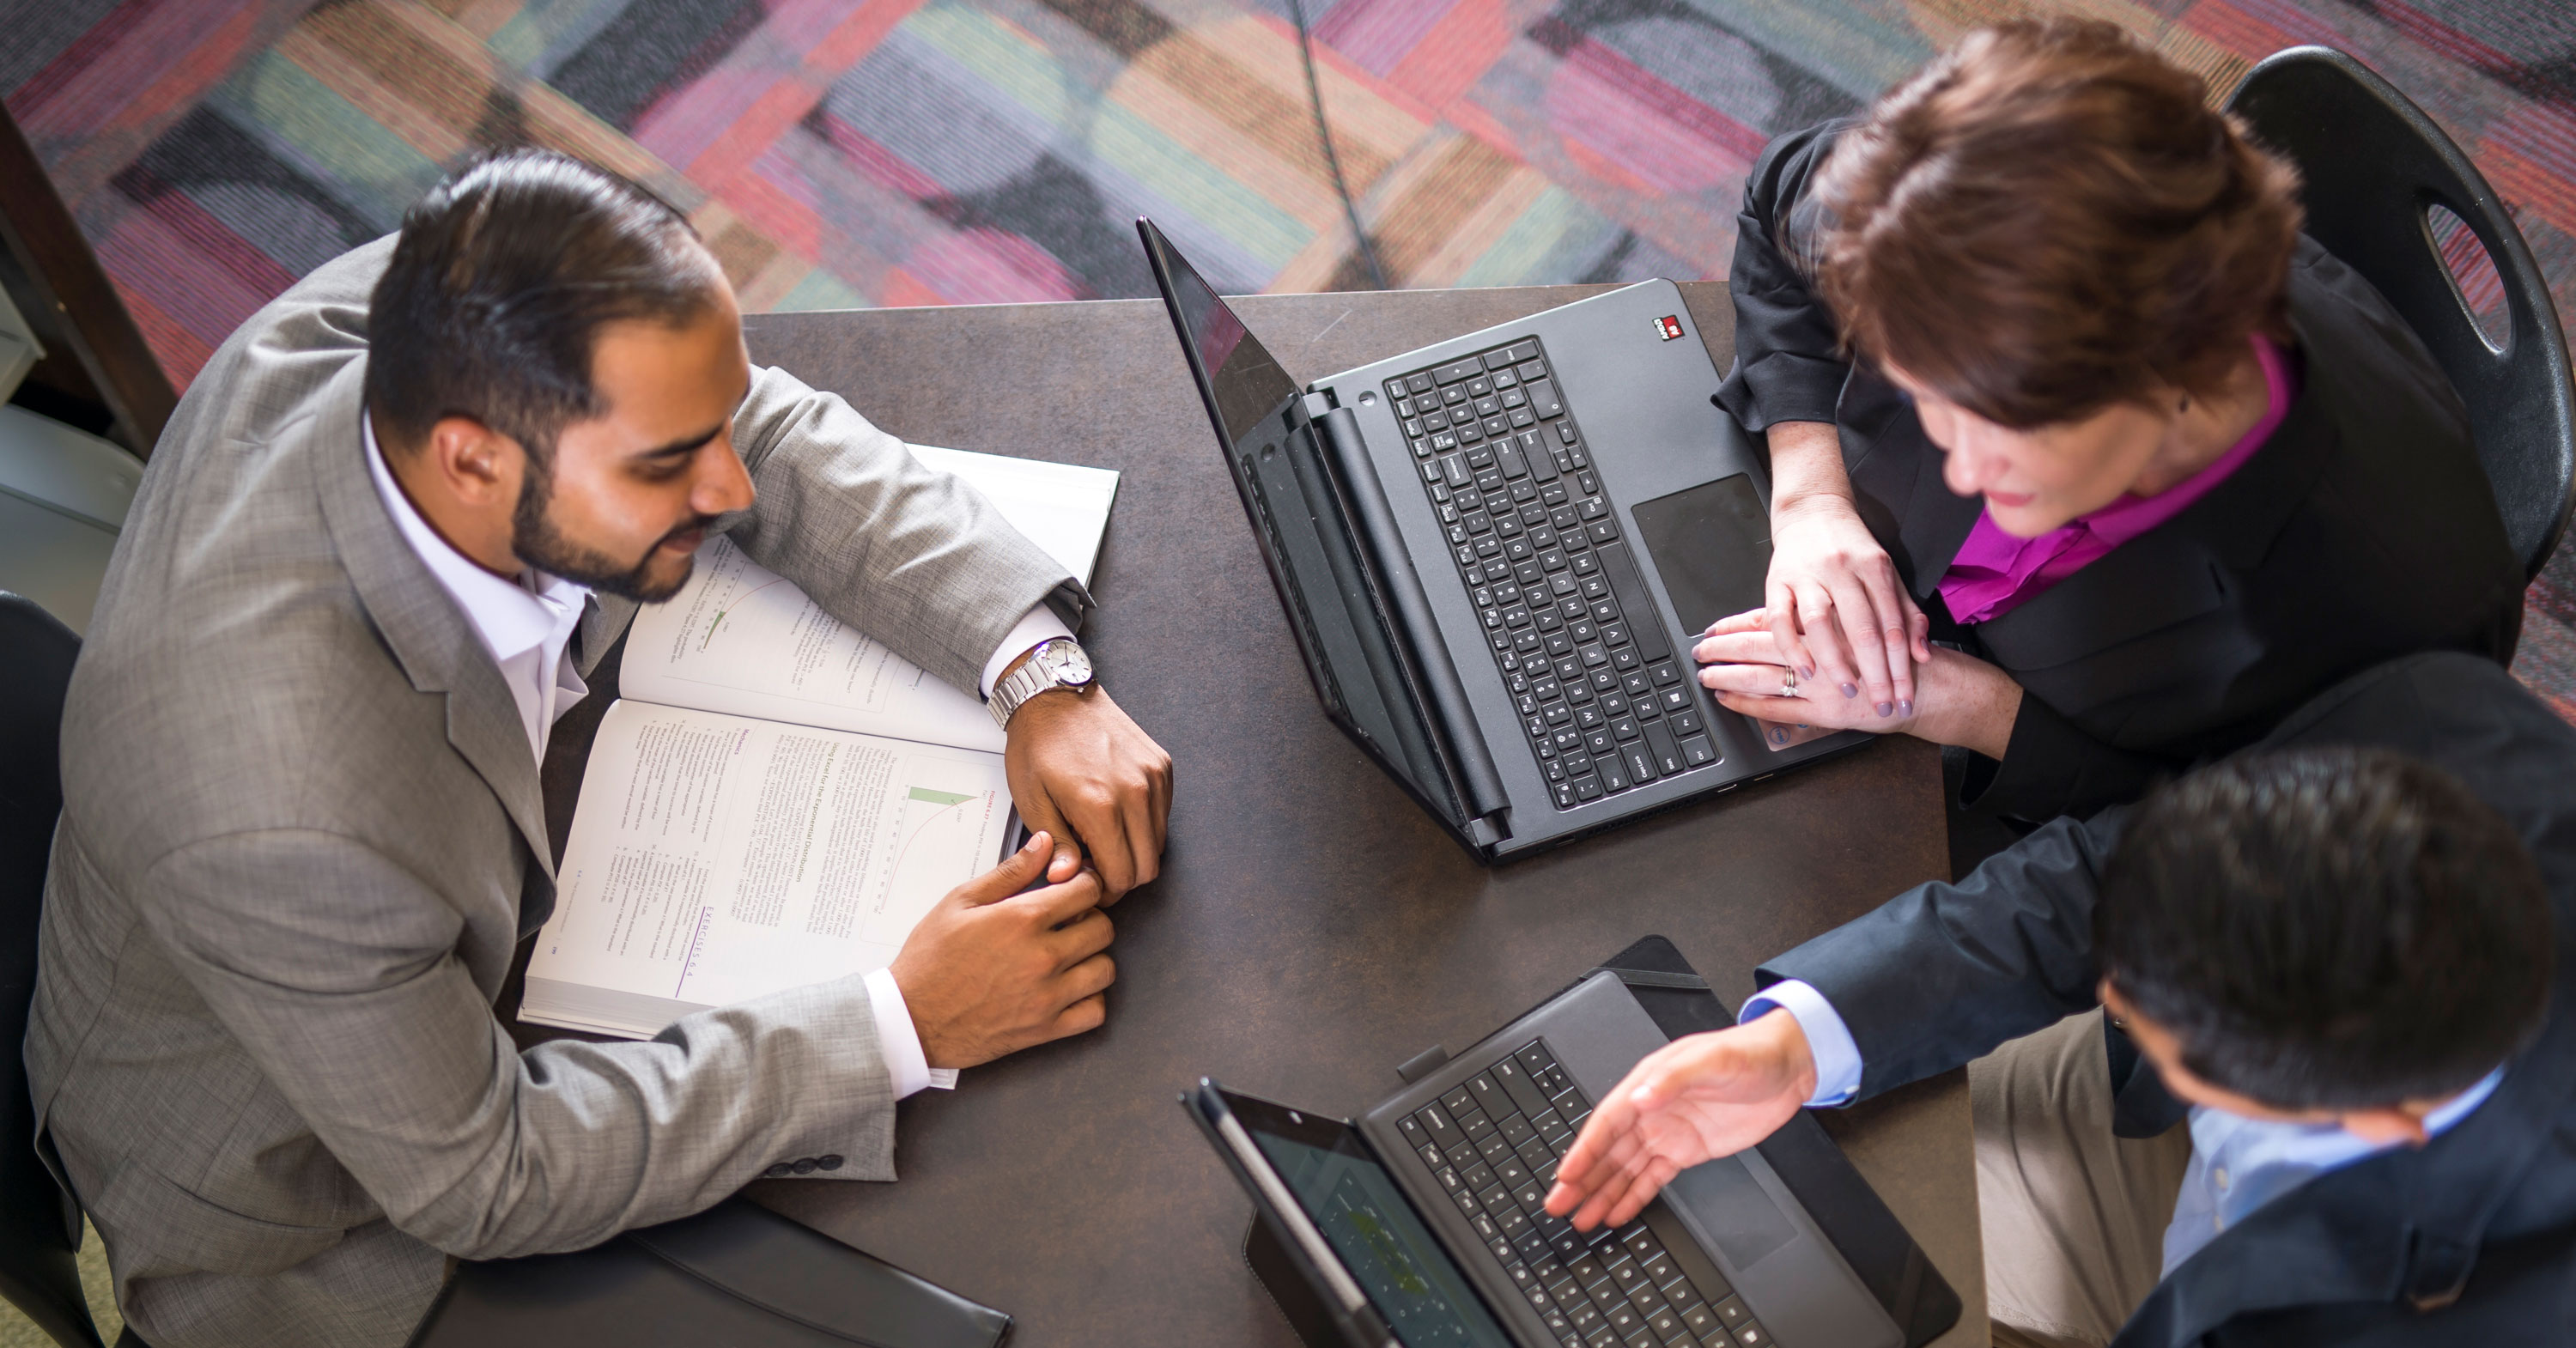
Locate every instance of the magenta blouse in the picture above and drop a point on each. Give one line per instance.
(1995, 572)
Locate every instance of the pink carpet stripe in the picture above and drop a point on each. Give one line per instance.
(1376, 34)
(1643, 90)
(150, 258)
(84, 52)
(170, 37)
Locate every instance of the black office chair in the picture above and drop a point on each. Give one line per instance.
(39, 1228)
(2374, 166)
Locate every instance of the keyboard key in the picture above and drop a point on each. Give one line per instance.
(1479, 386)
(1639, 763)
(1529, 368)
(1624, 728)
(1667, 751)
(1591, 788)
(1751, 1334)
(1515, 353)
(1457, 370)
(1731, 1313)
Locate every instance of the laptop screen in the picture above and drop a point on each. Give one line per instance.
(1244, 386)
(1410, 1280)
(1348, 645)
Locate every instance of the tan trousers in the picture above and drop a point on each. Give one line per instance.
(2074, 1218)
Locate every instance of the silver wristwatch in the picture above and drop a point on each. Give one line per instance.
(1059, 662)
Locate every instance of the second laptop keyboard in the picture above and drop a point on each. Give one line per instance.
(1493, 1144)
(1603, 701)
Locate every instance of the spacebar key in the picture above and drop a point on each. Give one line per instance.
(1645, 625)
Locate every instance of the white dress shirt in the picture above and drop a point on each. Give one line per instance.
(527, 626)
(2237, 1164)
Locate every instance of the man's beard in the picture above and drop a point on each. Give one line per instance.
(535, 539)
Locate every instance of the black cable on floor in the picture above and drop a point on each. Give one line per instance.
(1324, 133)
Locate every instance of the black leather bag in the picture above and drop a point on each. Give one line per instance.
(734, 1276)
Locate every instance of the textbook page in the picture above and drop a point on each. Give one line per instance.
(738, 638)
(716, 858)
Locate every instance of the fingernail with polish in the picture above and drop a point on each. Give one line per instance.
(1851, 690)
(1885, 709)
(1905, 708)
(1806, 671)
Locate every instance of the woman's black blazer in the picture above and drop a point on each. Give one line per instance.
(2363, 530)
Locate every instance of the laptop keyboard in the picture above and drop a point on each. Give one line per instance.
(1493, 1144)
(1602, 700)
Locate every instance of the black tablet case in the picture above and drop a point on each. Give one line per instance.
(1871, 1240)
(734, 1274)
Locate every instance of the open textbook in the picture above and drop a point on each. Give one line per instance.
(777, 799)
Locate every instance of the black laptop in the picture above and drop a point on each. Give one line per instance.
(1496, 552)
(1421, 1223)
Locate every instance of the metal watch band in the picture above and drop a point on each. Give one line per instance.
(1034, 676)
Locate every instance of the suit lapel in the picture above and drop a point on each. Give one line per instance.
(419, 621)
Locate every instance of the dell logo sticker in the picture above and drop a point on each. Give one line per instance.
(1668, 327)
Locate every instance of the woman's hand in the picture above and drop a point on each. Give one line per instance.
(1837, 609)
(1959, 699)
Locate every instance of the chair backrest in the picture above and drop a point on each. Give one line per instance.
(2374, 168)
(38, 1228)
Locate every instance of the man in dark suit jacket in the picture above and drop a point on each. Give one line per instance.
(2348, 955)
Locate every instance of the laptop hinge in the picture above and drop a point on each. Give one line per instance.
(1407, 608)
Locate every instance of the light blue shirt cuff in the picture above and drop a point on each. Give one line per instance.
(1829, 1041)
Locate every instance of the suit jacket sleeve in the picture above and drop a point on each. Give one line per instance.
(1789, 364)
(2051, 767)
(914, 558)
(372, 1028)
(1946, 972)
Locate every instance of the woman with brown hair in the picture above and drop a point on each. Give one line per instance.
(2051, 377)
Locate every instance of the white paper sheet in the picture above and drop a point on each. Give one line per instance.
(738, 638)
(716, 858)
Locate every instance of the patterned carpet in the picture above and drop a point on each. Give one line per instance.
(896, 152)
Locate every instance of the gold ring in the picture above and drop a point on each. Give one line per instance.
(1788, 683)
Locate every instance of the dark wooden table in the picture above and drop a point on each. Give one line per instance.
(1312, 928)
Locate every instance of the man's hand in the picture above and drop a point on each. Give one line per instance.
(1696, 1098)
(1083, 773)
(991, 971)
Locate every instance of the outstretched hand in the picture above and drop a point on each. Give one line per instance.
(1695, 1099)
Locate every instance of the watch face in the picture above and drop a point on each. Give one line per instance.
(1072, 664)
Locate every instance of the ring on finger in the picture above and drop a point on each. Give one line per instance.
(1788, 683)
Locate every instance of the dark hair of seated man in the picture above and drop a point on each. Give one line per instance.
(2327, 929)
(502, 280)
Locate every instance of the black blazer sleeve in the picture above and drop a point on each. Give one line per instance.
(1788, 352)
(2051, 767)
(1946, 972)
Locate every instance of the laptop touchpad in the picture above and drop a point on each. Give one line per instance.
(1731, 1207)
(1712, 546)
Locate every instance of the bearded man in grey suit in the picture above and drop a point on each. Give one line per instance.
(398, 518)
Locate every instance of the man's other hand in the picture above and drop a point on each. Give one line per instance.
(1086, 775)
(1697, 1098)
(991, 970)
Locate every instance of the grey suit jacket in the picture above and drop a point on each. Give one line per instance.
(299, 814)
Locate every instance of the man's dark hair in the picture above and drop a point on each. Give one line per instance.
(498, 288)
(2328, 929)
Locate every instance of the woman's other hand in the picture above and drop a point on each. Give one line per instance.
(1959, 699)
(1833, 597)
